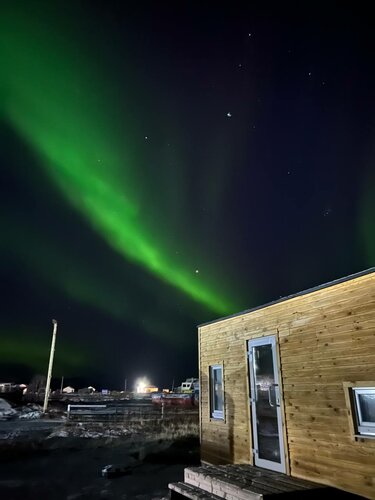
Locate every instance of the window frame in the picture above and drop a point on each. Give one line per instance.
(215, 413)
(360, 429)
(364, 427)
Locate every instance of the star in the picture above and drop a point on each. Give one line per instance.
(197, 271)
(146, 137)
(229, 115)
(309, 73)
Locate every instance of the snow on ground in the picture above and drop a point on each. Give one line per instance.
(81, 431)
(29, 412)
(6, 411)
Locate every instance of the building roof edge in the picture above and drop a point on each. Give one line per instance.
(288, 297)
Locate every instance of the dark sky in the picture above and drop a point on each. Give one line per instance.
(164, 164)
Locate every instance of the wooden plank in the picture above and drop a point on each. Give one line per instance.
(303, 412)
(303, 377)
(190, 491)
(316, 397)
(334, 466)
(348, 481)
(322, 353)
(345, 333)
(329, 364)
(336, 456)
(303, 438)
(317, 338)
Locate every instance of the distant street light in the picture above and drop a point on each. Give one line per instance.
(52, 352)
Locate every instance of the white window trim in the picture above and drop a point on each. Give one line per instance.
(216, 414)
(364, 428)
(359, 431)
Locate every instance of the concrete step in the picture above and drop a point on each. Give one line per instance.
(184, 490)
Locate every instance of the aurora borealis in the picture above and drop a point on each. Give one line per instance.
(166, 165)
(74, 137)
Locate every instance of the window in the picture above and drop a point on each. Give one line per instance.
(360, 403)
(216, 392)
(364, 402)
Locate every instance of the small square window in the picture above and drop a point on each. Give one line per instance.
(364, 403)
(216, 392)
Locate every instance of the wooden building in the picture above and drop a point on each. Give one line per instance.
(290, 386)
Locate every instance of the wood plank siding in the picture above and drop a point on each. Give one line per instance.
(325, 338)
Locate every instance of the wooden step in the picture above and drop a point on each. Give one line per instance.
(244, 482)
(178, 490)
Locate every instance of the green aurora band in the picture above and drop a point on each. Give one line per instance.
(60, 270)
(63, 107)
(33, 351)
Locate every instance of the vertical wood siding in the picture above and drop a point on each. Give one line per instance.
(325, 338)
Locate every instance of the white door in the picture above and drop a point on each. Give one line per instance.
(265, 404)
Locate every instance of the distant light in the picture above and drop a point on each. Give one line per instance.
(197, 271)
(141, 384)
(141, 387)
(229, 115)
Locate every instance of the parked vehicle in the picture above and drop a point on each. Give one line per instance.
(189, 385)
(116, 470)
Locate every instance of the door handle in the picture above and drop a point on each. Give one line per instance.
(277, 395)
(255, 393)
(269, 397)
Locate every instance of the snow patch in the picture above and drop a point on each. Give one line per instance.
(30, 415)
(6, 411)
(83, 432)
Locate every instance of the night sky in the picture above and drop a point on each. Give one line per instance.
(164, 164)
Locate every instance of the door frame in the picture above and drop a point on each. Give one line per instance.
(283, 465)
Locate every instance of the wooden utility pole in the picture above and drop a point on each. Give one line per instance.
(49, 375)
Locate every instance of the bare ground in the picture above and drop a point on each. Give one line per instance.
(70, 468)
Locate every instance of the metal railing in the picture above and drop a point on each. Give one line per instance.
(131, 413)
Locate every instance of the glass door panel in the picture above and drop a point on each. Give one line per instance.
(265, 404)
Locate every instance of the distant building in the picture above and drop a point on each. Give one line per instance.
(68, 390)
(150, 389)
(10, 391)
(6, 386)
